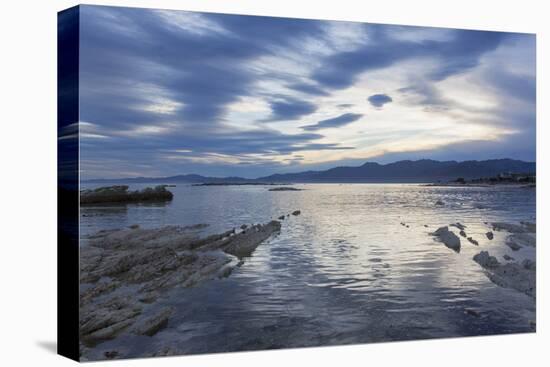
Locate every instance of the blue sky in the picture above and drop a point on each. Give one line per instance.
(174, 92)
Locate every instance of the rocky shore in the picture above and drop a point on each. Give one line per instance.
(121, 194)
(517, 275)
(125, 271)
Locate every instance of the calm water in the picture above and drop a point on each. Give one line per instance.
(344, 271)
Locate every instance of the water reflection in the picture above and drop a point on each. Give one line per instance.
(344, 271)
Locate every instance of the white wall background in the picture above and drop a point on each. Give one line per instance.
(28, 184)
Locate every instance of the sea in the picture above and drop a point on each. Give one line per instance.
(358, 265)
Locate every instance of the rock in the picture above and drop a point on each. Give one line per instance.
(471, 312)
(282, 217)
(122, 270)
(507, 257)
(509, 227)
(153, 324)
(296, 212)
(529, 264)
(530, 227)
(521, 277)
(425, 225)
(512, 244)
(120, 194)
(284, 189)
(439, 203)
(134, 226)
(458, 225)
(111, 354)
(103, 321)
(450, 239)
(243, 244)
(490, 235)
(485, 260)
(479, 206)
(244, 226)
(472, 241)
(463, 234)
(522, 239)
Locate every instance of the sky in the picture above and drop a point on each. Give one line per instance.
(173, 92)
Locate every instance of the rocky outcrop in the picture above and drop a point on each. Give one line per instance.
(521, 277)
(120, 194)
(124, 271)
(450, 239)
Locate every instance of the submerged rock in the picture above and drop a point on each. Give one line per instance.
(120, 194)
(521, 277)
(450, 239)
(507, 257)
(490, 235)
(439, 203)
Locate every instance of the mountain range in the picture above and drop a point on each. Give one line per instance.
(424, 170)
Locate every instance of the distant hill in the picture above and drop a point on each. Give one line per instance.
(409, 171)
(424, 170)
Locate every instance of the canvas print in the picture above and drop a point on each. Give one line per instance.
(253, 183)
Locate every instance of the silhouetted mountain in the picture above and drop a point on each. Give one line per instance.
(424, 170)
(409, 171)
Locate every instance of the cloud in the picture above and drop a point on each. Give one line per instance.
(154, 83)
(462, 52)
(379, 100)
(341, 120)
(289, 109)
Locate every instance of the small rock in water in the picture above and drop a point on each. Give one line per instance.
(486, 260)
(133, 226)
(425, 225)
(458, 225)
(508, 257)
(439, 203)
(490, 235)
(296, 212)
(473, 241)
(244, 226)
(450, 239)
(282, 217)
(512, 244)
(471, 312)
(462, 233)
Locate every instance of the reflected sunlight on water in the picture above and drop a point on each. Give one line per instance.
(345, 271)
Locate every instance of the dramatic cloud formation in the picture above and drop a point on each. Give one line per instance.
(379, 100)
(172, 92)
